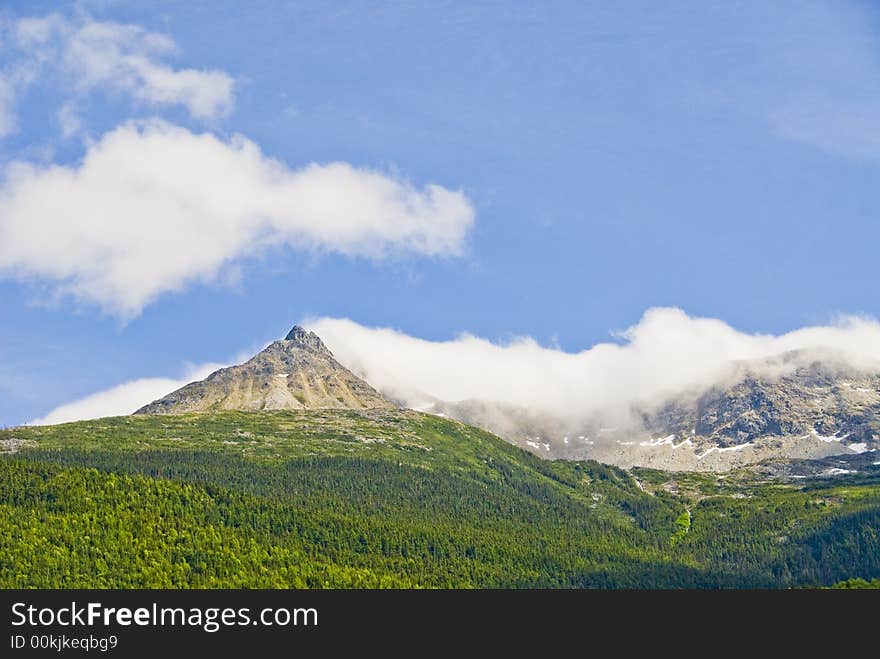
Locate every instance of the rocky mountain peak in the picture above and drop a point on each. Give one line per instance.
(295, 373)
(304, 339)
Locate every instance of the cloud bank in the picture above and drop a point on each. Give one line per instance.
(153, 207)
(665, 355)
(85, 55)
(122, 399)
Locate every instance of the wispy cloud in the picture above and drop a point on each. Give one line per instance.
(69, 121)
(153, 208)
(87, 55)
(818, 75)
(8, 120)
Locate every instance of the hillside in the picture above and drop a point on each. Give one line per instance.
(395, 498)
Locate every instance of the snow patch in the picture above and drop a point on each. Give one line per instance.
(726, 449)
(836, 471)
(861, 447)
(826, 438)
(669, 440)
(659, 442)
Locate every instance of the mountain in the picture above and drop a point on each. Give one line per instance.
(816, 410)
(298, 372)
(790, 407)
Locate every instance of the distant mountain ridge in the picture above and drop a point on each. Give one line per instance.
(295, 373)
(772, 409)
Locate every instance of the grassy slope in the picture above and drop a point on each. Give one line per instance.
(400, 499)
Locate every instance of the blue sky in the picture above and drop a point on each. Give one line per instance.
(718, 157)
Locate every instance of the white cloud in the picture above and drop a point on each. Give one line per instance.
(91, 55)
(126, 57)
(153, 207)
(122, 399)
(665, 355)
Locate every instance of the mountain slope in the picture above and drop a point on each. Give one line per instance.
(298, 372)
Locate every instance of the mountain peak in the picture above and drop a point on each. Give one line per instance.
(305, 339)
(295, 373)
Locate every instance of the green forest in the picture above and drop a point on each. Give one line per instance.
(399, 499)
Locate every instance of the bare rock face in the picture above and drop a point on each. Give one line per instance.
(298, 372)
(307, 340)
